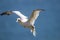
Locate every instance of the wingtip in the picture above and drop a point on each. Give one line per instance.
(39, 10)
(1, 14)
(6, 13)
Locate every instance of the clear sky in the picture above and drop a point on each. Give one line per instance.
(47, 24)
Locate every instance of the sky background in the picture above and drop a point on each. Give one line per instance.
(47, 24)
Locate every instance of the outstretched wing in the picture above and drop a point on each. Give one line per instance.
(20, 14)
(34, 15)
(16, 12)
(23, 17)
(6, 13)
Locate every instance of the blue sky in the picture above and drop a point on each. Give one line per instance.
(47, 24)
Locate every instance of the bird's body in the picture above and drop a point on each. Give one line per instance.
(26, 24)
(24, 21)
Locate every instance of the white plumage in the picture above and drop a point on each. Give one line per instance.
(22, 17)
(23, 20)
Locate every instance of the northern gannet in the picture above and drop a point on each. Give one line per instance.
(24, 21)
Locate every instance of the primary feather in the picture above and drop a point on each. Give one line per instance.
(34, 15)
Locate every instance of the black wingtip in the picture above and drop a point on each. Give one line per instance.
(1, 14)
(39, 10)
(6, 13)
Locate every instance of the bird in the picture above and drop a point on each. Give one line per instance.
(24, 20)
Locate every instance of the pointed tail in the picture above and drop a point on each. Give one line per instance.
(33, 31)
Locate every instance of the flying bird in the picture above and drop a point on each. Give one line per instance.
(24, 21)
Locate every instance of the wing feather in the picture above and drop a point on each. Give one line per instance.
(19, 14)
(6, 13)
(23, 17)
(34, 16)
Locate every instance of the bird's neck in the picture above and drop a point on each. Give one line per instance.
(20, 22)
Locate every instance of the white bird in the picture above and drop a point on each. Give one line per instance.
(23, 20)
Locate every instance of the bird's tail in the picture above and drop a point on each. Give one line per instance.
(33, 31)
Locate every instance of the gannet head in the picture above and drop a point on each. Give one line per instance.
(18, 19)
